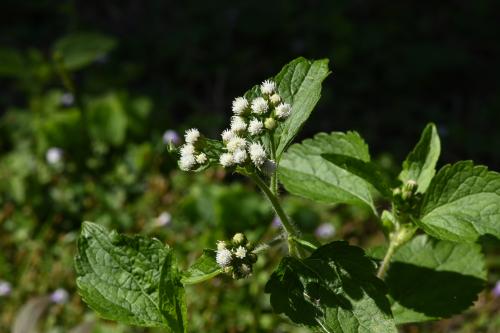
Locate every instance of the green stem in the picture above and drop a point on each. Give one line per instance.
(290, 229)
(274, 176)
(403, 234)
(387, 259)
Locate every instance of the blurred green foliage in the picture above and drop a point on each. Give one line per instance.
(102, 82)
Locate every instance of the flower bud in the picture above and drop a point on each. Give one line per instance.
(270, 123)
(275, 99)
(239, 239)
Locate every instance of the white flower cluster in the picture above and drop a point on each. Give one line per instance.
(242, 144)
(236, 256)
(190, 156)
(251, 119)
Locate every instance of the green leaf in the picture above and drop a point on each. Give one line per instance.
(132, 280)
(431, 279)
(368, 171)
(299, 83)
(304, 172)
(107, 119)
(81, 49)
(462, 203)
(333, 290)
(204, 268)
(172, 296)
(420, 164)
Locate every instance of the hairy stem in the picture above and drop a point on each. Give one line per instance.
(290, 229)
(403, 234)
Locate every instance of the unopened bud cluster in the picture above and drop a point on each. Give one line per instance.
(236, 256)
(406, 199)
(251, 120)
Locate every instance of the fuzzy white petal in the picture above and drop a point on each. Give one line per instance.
(283, 110)
(240, 156)
(238, 124)
(227, 135)
(268, 87)
(241, 252)
(255, 127)
(259, 105)
(240, 104)
(257, 154)
(187, 162)
(226, 160)
(192, 135)
(235, 144)
(187, 149)
(223, 257)
(201, 158)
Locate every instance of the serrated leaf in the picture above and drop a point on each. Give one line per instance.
(81, 49)
(304, 172)
(368, 171)
(462, 203)
(333, 290)
(172, 296)
(299, 83)
(420, 164)
(204, 268)
(123, 278)
(431, 279)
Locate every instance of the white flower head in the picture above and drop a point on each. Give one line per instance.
(201, 158)
(240, 104)
(257, 154)
(192, 135)
(255, 126)
(54, 155)
(283, 110)
(223, 257)
(221, 245)
(226, 160)
(238, 124)
(240, 156)
(187, 161)
(235, 144)
(275, 99)
(259, 105)
(268, 87)
(187, 149)
(227, 135)
(240, 252)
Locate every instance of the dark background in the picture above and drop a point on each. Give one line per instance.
(395, 65)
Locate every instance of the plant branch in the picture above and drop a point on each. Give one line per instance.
(399, 237)
(290, 229)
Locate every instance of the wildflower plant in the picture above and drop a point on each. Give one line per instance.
(432, 266)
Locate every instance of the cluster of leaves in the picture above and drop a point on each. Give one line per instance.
(335, 288)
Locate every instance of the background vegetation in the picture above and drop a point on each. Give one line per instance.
(103, 81)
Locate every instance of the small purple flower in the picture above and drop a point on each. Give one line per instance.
(67, 99)
(496, 290)
(5, 288)
(276, 222)
(54, 155)
(325, 230)
(59, 296)
(171, 136)
(164, 219)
